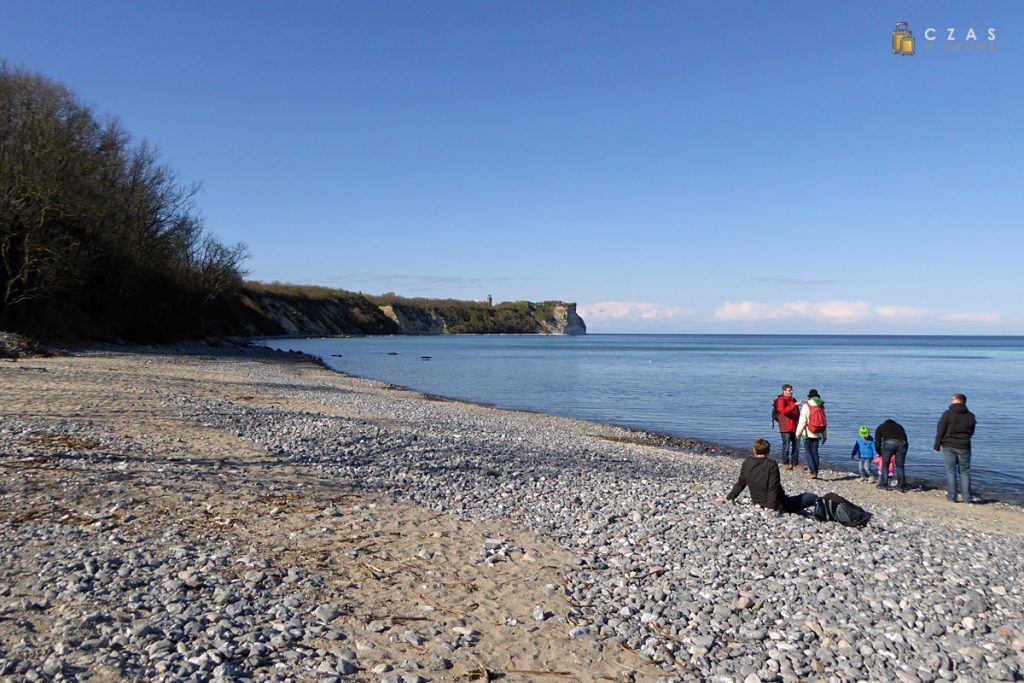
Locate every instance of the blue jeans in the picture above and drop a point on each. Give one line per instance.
(798, 503)
(790, 449)
(811, 454)
(865, 468)
(888, 449)
(958, 462)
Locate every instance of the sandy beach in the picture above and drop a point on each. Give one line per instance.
(198, 513)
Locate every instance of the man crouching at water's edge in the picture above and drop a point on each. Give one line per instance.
(760, 475)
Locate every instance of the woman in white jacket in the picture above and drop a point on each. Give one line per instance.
(811, 430)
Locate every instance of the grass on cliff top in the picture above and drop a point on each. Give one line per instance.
(285, 289)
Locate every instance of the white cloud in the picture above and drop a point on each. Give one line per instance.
(841, 311)
(748, 310)
(900, 312)
(630, 310)
(836, 311)
(793, 316)
(846, 313)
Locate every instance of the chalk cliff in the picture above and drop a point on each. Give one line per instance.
(565, 321)
(297, 312)
(414, 319)
(520, 317)
(263, 314)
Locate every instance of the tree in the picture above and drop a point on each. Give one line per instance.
(97, 236)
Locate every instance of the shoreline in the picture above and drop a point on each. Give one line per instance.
(665, 440)
(405, 539)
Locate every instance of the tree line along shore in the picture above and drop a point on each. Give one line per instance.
(101, 240)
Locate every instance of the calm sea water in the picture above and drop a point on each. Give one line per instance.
(719, 388)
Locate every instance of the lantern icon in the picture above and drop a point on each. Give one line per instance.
(902, 39)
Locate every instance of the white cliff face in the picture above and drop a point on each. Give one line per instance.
(565, 320)
(415, 321)
(574, 324)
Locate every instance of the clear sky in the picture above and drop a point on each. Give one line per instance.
(671, 166)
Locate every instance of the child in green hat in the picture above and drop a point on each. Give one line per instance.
(865, 449)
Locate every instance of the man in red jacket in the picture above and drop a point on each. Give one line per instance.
(788, 409)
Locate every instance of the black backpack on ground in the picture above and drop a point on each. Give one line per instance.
(834, 508)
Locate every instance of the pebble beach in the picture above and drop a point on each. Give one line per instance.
(193, 513)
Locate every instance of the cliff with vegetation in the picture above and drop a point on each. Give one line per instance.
(291, 310)
(100, 240)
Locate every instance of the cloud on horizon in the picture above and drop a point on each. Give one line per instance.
(900, 312)
(836, 311)
(841, 312)
(636, 311)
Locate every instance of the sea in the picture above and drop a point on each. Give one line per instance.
(719, 388)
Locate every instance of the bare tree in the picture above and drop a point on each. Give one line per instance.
(94, 230)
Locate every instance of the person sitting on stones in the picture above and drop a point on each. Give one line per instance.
(760, 474)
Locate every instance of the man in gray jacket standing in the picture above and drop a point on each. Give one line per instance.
(953, 436)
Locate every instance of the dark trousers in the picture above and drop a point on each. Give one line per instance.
(790, 449)
(889, 449)
(799, 502)
(811, 453)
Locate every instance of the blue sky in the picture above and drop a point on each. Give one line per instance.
(671, 166)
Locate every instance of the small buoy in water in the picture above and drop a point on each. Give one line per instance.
(424, 357)
(392, 353)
